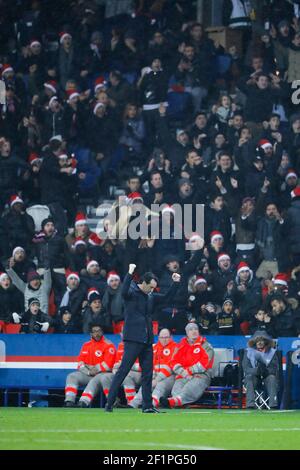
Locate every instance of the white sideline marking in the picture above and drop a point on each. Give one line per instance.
(148, 431)
(142, 444)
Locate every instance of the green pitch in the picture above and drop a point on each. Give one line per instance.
(55, 428)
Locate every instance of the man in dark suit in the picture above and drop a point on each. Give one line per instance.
(140, 301)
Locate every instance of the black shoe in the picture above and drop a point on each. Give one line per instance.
(69, 404)
(82, 404)
(150, 410)
(108, 409)
(164, 402)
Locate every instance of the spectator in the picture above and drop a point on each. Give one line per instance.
(34, 320)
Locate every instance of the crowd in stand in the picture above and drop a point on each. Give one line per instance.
(132, 94)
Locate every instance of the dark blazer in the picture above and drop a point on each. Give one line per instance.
(138, 310)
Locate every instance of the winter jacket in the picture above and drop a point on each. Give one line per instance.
(113, 303)
(19, 228)
(162, 357)
(10, 302)
(193, 359)
(88, 316)
(292, 227)
(50, 251)
(100, 354)
(42, 294)
(38, 323)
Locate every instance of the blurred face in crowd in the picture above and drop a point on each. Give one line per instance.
(238, 121)
(185, 189)
(114, 283)
(248, 206)
(262, 82)
(225, 162)
(156, 180)
(292, 182)
(5, 148)
(5, 283)
(296, 126)
(35, 284)
(278, 306)
(260, 316)
(197, 32)
(18, 207)
(94, 268)
(114, 80)
(193, 333)
(131, 111)
(158, 39)
(225, 101)
(257, 63)
(164, 337)
(156, 65)
(274, 123)
(67, 41)
(49, 229)
(81, 230)
(96, 306)
(192, 158)
(220, 140)
(134, 184)
(218, 203)
(260, 344)
(284, 30)
(201, 121)
(36, 48)
(102, 97)
(182, 138)
(55, 106)
(259, 165)
(244, 275)
(189, 53)
(225, 264)
(268, 151)
(201, 287)
(218, 243)
(296, 40)
(100, 111)
(227, 307)
(173, 266)
(73, 283)
(66, 318)
(108, 247)
(34, 308)
(271, 211)
(63, 161)
(19, 256)
(96, 333)
(246, 133)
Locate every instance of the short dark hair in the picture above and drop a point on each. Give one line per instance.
(95, 324)
(148, 277)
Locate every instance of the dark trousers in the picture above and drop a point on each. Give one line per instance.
(132, 351)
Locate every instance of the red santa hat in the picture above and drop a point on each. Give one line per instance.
(194, 236)
(168, 209)
(112, 276)
(33, 157)
(264, 144)
(216, 235)
(91, 263)
(223, 257)
(291, 174)
(200, 280)
(100, 82)
(242, 267)
(51, 85)
(80, 219)
(34, 42)
(6, 68)
(296, 192)
(71, 275)
(15, 199)
(63, 35)
(95, 240)
(79, 241)
(97, 106)
(92, 290)
(3, 276)
(72, 94)
(281, 279)
(134, 197)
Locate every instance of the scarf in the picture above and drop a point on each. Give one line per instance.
(66, 298)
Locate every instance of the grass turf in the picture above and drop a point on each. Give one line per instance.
(61, 428)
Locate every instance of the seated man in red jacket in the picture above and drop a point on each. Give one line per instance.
(192, 366)
(163, 377)
(95, 363)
